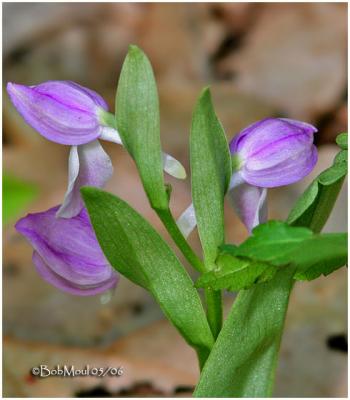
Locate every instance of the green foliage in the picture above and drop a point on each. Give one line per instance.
(314, 206)
(16, 196)
(342, 141)
(272, 246)
(136, 250)
(280, 244)
(243, 358)
(210, 175)
(137, 113)
(233, 273)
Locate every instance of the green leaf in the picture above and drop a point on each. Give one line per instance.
(136, 250)
(210, 175)
(272, 246)
(323, 255)
(137, 113)
(280, 244)
(16, 196)
(342, 141)
(273, 242)
(314, 206)
(234, 274)
(245, 352)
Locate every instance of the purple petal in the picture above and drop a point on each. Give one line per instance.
(249, 202)
(68, 247)
(89, 165)
(65, 285)
(62, 111)
(275, 151)
(261, 134)
(283, 172)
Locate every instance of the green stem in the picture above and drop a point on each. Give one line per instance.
(174, 231)
(214, 310)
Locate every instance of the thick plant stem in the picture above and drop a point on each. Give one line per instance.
(174, 231)
(214, 310)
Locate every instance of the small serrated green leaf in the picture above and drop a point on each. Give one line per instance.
(281, 244)
(233, 273)
(321, 256)
(137, 251)
(210, 175)
(273, 242)
(137, 115)
(228, 248)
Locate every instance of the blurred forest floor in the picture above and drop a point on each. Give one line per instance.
(278, 59)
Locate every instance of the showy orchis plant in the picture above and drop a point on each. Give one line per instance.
(238, 358)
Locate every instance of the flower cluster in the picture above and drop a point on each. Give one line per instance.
(66, 251)
(269, 153)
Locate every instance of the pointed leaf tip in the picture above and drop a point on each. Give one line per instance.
(133, 47)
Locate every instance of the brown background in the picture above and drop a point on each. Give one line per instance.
(260, 60)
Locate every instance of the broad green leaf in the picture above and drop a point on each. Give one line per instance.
(244, 355)
(234, 274)
(16, 196)
(137, 251)
(315, 204)
(137, 114)
(210, 175)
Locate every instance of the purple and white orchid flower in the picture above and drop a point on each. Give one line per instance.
(67, 254)
(269, 153)
(69, 114)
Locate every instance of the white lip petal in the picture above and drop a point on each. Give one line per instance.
(173, 167)
(107, 296)
(111, 135)
(249, 202)
(70, 206)
(187, 221)
(89, 165)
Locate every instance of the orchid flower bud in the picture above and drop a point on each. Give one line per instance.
(269, 153)
(61, 111)
(67, 113)
(274, 152)
(67, 254)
